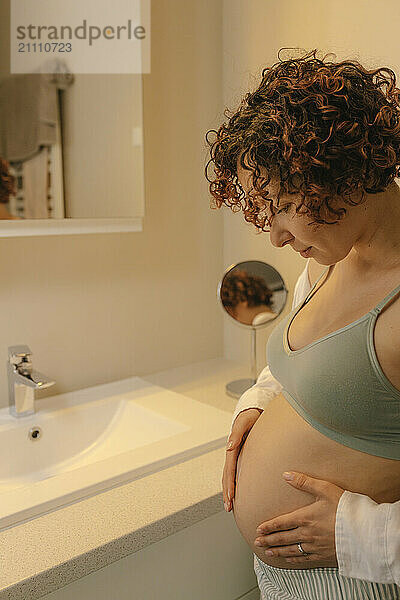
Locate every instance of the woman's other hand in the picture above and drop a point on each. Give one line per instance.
(240, 430)
(312, 525)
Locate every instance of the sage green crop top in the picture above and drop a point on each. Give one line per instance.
(337, 385)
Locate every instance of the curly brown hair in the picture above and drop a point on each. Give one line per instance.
(326, 130)
(240, 286)
(7, 182)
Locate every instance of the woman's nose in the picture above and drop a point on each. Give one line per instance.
(279, 236)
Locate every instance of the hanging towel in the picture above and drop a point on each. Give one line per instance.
(28, 114)
(36, 186)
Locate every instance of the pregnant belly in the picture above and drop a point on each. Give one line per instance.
(281, 440)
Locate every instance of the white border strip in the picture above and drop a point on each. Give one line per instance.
(38, 227)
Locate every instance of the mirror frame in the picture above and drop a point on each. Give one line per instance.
(37, 227)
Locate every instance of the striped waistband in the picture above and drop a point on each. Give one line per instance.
(323, 583)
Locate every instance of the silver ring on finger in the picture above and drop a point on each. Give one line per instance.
(301, 549)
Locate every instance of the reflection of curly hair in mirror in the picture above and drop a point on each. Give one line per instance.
(239, 286)
(7, 182)
(326, 130)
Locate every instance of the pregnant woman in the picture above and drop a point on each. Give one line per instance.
(313, 153)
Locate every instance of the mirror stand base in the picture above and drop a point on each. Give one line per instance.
(236, 388)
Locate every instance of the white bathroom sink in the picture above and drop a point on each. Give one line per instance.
(84, 442)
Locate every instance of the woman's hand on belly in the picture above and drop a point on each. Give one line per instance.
(312, 525)
(240, 430)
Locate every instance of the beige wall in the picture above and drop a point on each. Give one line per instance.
(253, 33)
(96, 308)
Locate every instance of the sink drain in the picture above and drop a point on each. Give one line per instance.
(35, 433)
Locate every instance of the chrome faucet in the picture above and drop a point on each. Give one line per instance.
(23, 381)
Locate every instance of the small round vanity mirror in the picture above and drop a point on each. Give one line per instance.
(253, 294)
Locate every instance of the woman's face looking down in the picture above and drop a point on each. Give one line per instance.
(330, 243)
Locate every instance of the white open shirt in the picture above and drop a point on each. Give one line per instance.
(367, 534)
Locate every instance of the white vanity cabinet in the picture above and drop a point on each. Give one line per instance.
(206, 561)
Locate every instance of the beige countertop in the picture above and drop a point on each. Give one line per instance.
(50, 551)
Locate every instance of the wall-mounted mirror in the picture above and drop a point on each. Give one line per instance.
(74, 145)
(253, 294)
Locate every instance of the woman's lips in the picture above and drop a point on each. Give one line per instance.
(306, 253)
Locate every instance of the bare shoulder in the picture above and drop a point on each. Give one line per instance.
(315, 270)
